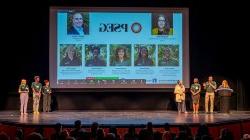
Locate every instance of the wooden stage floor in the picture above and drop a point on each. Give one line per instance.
(120, 118)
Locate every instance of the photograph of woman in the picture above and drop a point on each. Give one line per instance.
(144, 57)
(70, 56)
(121, 56)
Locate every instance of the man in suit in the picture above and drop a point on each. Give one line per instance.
(77, 27)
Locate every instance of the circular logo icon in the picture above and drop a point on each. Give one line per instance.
(136, 27)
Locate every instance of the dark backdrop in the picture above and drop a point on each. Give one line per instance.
(218, 47)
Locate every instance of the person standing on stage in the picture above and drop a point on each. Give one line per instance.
(36, 88)
(179, 92)
(24, 96)
(46, 96)
(224, 92)
(195, 90)
(224, 84)
(210, 86)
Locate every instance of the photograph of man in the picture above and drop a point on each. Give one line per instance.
(162, 24)
(96, 55)
(78, 23)
(70, 55)
(168, 55)
(120, 55)
(144, 55)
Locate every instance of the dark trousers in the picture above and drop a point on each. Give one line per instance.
(181, 106)
(46, 102)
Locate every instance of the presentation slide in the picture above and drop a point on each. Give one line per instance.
(113, 47)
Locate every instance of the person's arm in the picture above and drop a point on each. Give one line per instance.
(195, 93)
(33, 90)
(176, 90)
(19, 89)
(40, 89)
(213, 85)
(199, 90)
(50, 91)
(191, 90)
(32, 87)
(183, 89)
(27, 89)
(43, 89)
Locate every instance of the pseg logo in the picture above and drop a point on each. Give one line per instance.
(115, 27)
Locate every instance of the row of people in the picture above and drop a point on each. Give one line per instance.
(210, 86)
(120, 55)
(149, 132)
(37, 90)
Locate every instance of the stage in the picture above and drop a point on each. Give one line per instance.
(237, 121)
(121, 118)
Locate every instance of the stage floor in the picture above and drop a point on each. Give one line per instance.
(120, 118)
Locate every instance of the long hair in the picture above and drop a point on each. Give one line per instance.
(225, 84)
(116, 53)
(69, 48)
(140, 52)
(167, 23)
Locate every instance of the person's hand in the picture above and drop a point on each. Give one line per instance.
(204, 84)
(38, 93)
(210, 84)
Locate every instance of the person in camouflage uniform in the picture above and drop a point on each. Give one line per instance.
(36, 89)
(46, 91)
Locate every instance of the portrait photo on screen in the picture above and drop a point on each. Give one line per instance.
(78, 23)
(162, 24)
(70, 54)
(95, 55)
(144, 55)
(168, 55)
(120, 55)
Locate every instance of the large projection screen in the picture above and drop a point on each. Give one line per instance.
(118, 47)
